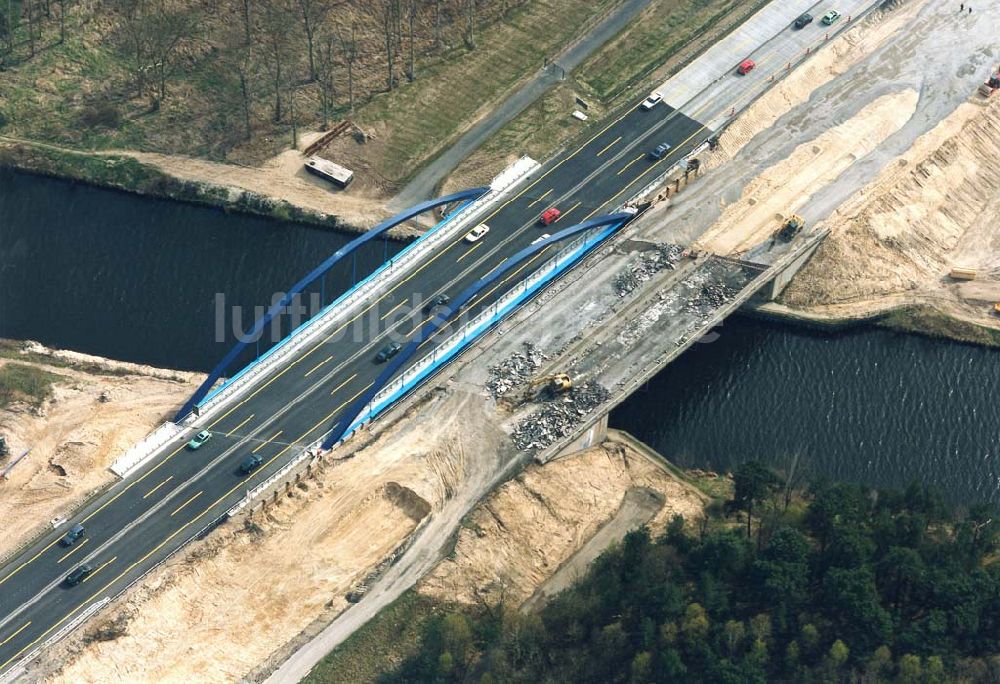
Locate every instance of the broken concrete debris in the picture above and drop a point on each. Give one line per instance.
(711, 297)
(661, 256)
(514, 370)
(557, 419)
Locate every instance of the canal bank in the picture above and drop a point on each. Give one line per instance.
(873, 406)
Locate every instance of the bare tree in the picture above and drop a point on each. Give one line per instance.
(437, 25)
(411, 72)
(326, 71)
(313, 12)
(247, 23)
(28, 8)
(470, 33)
(277, 44)
(349, 46)
(168, 29)
(387, 16)
(133, 40)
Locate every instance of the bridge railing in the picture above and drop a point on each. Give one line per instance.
(350, 301)
(453, 344)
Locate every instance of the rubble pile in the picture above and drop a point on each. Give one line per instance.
(514, 370)
(650, 262)
(558, 418)
(711, 297)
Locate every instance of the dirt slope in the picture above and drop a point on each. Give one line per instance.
(75, 436)
(533, 524)
(935, 207)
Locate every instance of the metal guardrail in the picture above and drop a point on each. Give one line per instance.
(142, 450)
(367, 288)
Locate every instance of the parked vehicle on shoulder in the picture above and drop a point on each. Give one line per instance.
(544, 236)
(72, 535)
(550, 216)
(745, 67)
(78, 575)
(387, 352)
(651, 101)
(250, 464)
(198, 440)
(477, 232)
(803, 20)
(659, 151)
(830, 17)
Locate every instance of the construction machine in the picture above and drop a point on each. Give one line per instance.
(789, 228)
(556, 383)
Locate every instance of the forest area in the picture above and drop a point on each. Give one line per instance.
(206, 78)
(835, 583)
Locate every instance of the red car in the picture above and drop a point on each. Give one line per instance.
(550, 216)
(745, 67)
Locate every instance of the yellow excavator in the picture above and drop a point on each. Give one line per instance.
(790, 227)
(557, 383)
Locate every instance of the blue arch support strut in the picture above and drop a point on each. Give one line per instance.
(447, 312)
(318, 272)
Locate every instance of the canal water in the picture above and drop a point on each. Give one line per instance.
(137, 279)
(868, 405)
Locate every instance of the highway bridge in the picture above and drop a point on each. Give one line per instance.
(319, 390)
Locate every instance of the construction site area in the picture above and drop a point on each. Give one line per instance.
(861, 186)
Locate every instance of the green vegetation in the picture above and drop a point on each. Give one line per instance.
(393, 634)
(22, 383)
(926, 320)
(837, 584)
(126, 173)
(238, 81)
(665, 36)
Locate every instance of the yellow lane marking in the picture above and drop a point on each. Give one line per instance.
(266, 442)
(563, 215)
(625, 168)
(29, 561)
(313, 369)
(175, 533)
(477, 246)
(151, 491)
(610, 145)
(389, 312)
(338, 387)
(99, 568)
(230, 433)
(23, 627)
(561, 162)
(330, 414)
(77, 548)
(181, 507)
(547, 193)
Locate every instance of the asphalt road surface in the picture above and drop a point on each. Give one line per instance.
(143, 519)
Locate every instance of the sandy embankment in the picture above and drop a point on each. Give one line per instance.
(245, 595)
(75, 435)
(788, 185)
(533, 525)
(894, 244)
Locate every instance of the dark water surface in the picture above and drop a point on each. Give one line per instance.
(135, 278)
(870, 406)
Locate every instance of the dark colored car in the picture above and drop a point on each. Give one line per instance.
(72, 536)
(387, 352)
(803, 20)
(78, 575)
(660, 151)
(434, 303)
(250, 464)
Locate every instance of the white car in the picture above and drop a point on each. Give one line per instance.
(545, 236)
(650, 102)
(477, 232)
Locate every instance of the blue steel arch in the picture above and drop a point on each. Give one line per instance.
(447, 312)
(311, 277)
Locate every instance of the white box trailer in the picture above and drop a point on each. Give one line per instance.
(327, 170)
